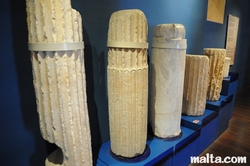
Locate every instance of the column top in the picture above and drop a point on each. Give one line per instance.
(170, 31)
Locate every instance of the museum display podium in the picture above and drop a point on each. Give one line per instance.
(162, 152)
(229, 87)
(185, 147)
(223, 107)
(98, 162)
(195, 132)
(206, 124)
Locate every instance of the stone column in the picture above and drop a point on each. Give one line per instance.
(195, 85)
(167, 79)
(55, 41)
(226, 66)
(127, 82)
(216, 68)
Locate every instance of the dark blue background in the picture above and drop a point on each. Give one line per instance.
(20, 139)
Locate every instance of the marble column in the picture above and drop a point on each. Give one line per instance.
(215, 75)
(128, 82)
(55, 40)
(226, 66)
(195, 85)
(167, 79)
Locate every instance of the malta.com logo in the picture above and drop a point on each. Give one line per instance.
(210, 158)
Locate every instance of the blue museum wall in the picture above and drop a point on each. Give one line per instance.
(191, 14)
(215, 37)
(20, 139)
(95, 18)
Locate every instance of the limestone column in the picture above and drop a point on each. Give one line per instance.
(55, 40)
(216, 68)
(195, 85)
(226, 66)
(167, 79)
(127, 82)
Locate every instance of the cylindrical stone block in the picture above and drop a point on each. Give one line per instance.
(127, 82)
(226, 66)
(215, 75)
(195, 85)
(167, 79)
(59, 81)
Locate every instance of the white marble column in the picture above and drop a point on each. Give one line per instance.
(216, 68)
(226, 66)
(195, 85)
(55, 41)
(167, 79)
(128, 82)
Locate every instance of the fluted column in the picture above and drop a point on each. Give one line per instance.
(195, 85)
(128, 82)
(167, 79)
(59, 80)
(216, 68)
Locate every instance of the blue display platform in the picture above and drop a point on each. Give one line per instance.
(215, 105)
(229, 84)
(223, 106)
(162, 152)
(97, 161)
(229, 87)
(206, 123)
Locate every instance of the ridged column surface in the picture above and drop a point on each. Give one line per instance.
(195, 85)
(59, 81)
(128, 83)
(226, 66)
(167, 79)
(215, 75)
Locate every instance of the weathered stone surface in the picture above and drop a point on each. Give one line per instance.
(59, 81)
(226, 66)
(215, 75)
(127, 83)
(195, 85)
(167, 79)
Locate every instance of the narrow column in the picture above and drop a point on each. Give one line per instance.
(128, 82)
(195, 85)
(216, 68)
(167, 79)
(226, 66)
(55, 41)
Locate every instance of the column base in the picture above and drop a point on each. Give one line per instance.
(135, 159)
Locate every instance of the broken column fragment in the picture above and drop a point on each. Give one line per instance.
(55, 41)
(195, 85)
(226, 66)
(215, 75)
(167, 79)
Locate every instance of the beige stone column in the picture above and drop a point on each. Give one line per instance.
(127, 82)
(55, 36)
(226, 66)
(195, 85)
(216, 68)
(167, 79)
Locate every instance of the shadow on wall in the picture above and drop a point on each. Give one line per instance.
(247, 75)
(26, 90)
(90, 88)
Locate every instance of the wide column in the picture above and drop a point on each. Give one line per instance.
(55, 41)
(195, 85)
(167, 79)
(128, 82)
(216, 68)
